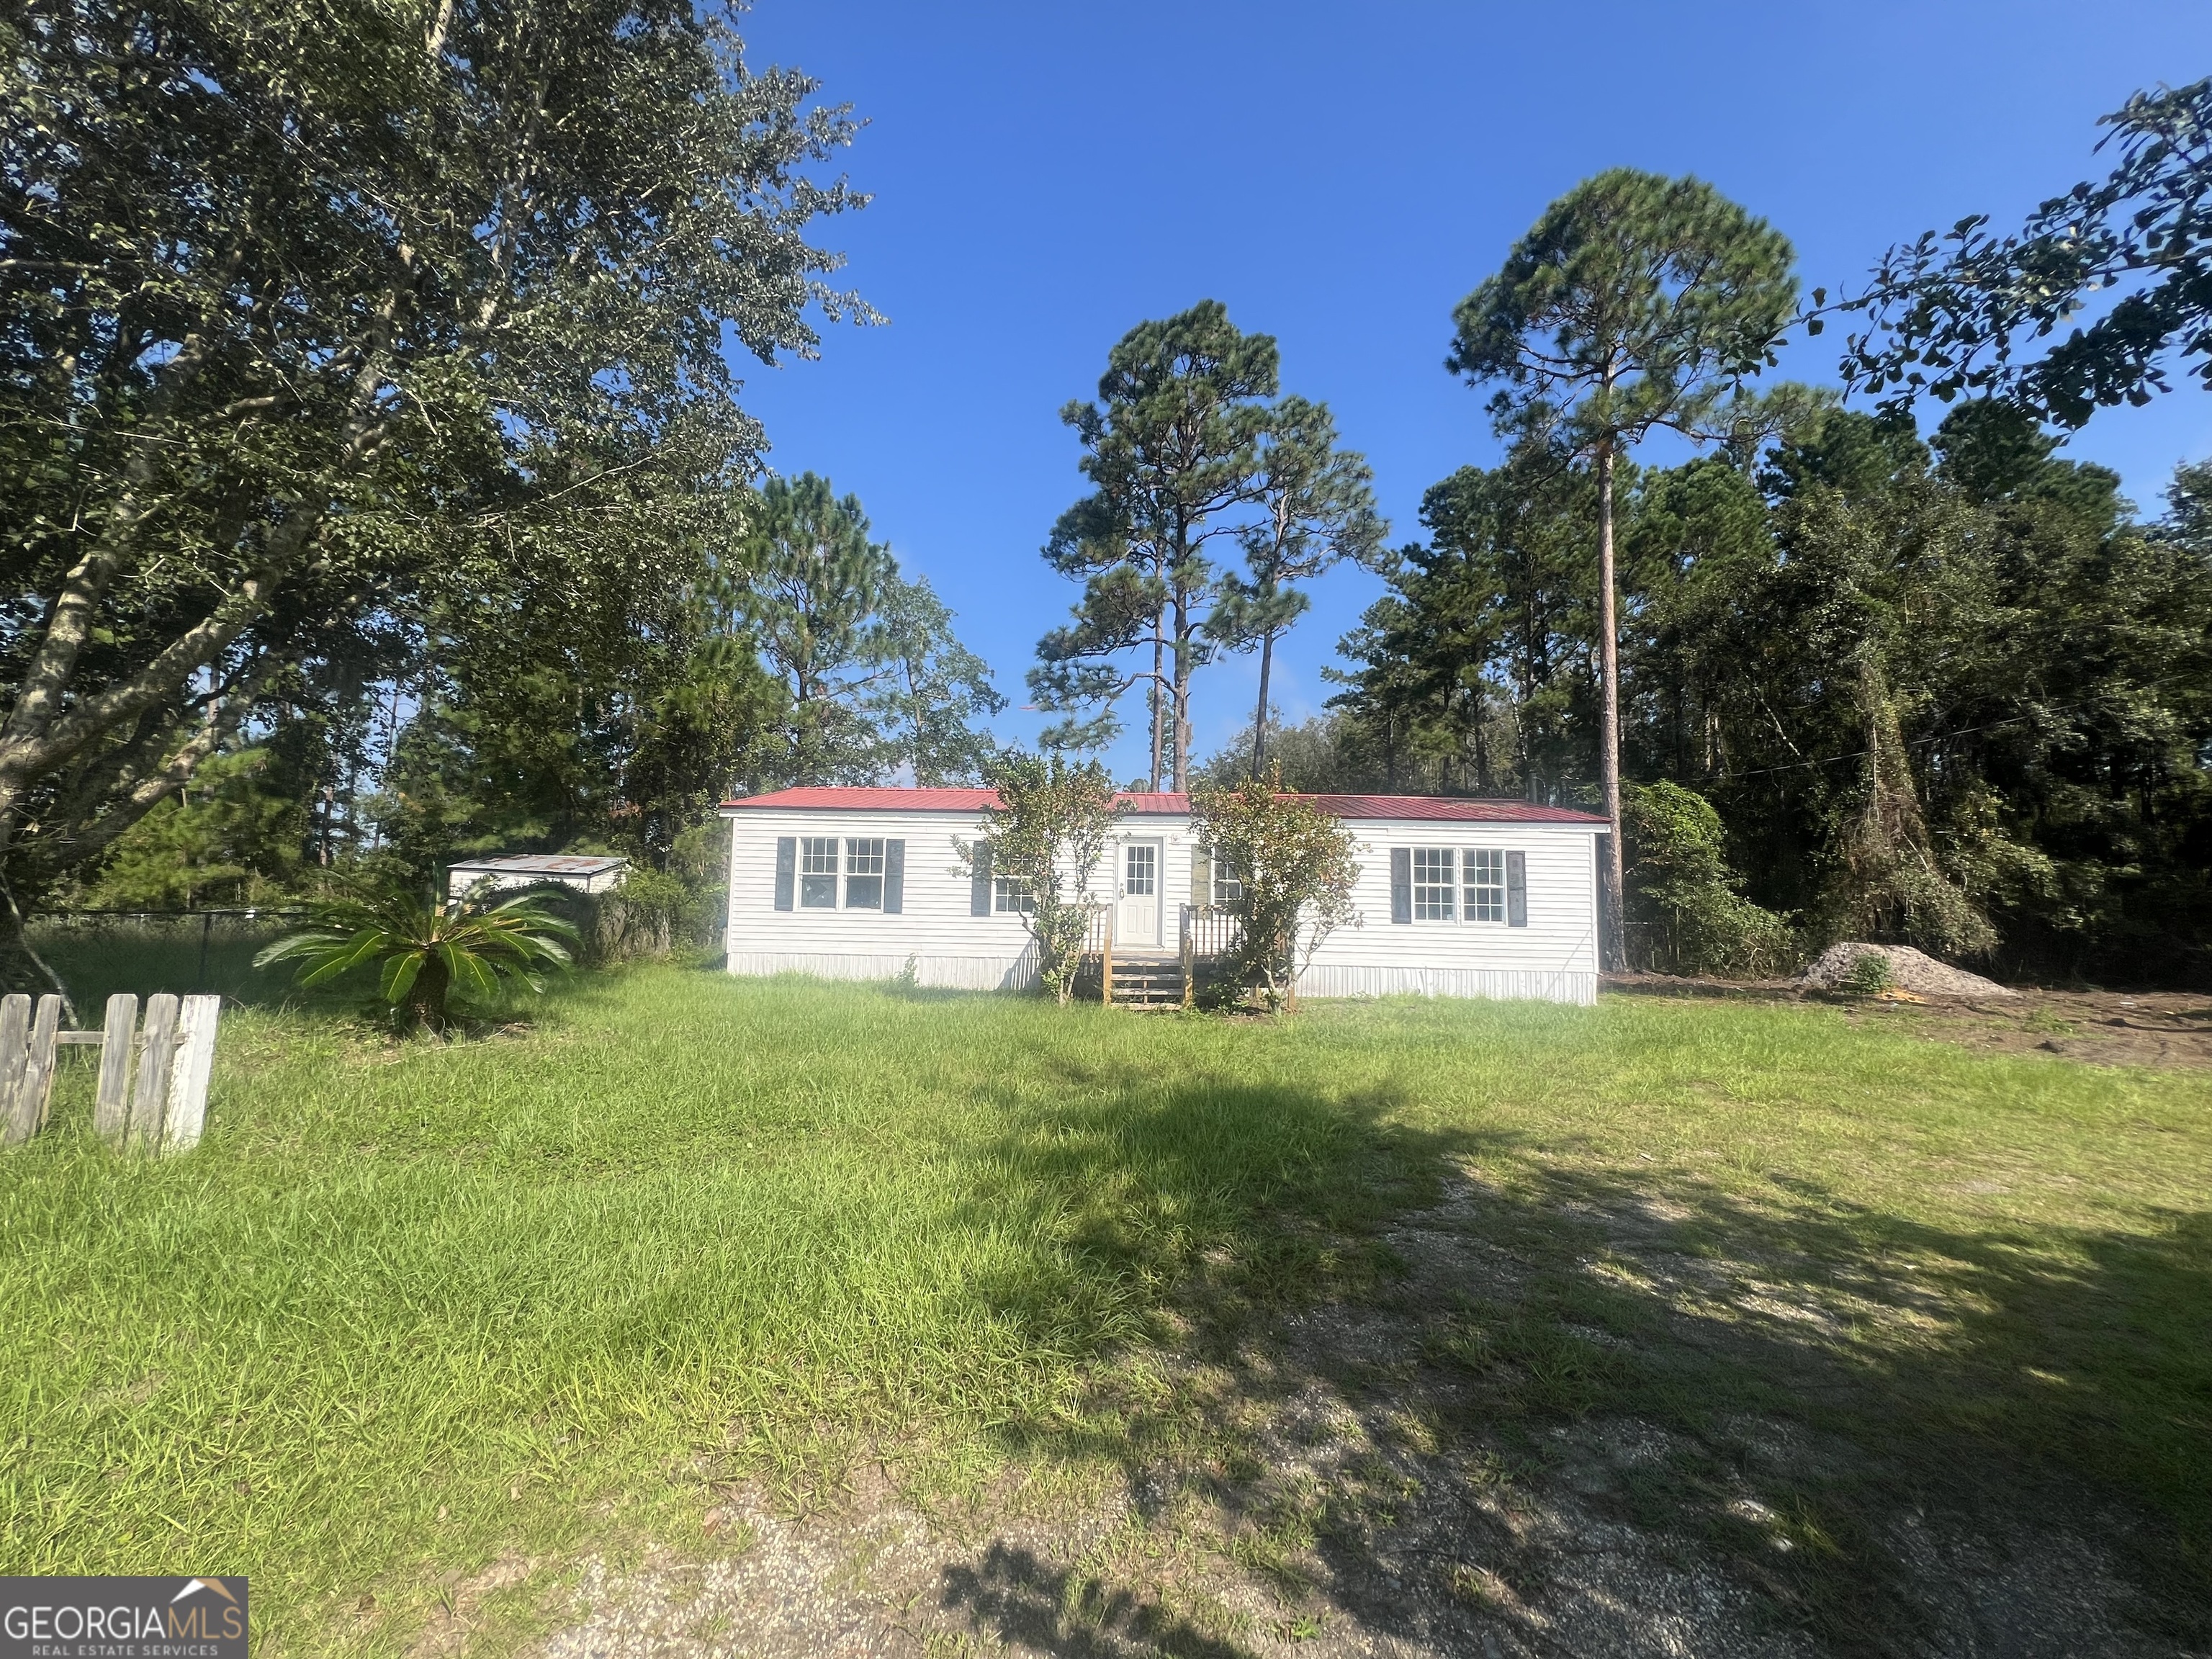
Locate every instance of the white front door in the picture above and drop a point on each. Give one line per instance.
(1137, 901)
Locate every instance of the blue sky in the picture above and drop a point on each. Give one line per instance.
(1047, 175)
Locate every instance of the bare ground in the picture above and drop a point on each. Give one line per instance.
(2105, 1028)
(1433, 1471)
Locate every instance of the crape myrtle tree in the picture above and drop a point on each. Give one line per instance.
(1299, 878)
(1172, 449)
(1317, 507)
(1041, 844)
(1636, 303)
(302, 325)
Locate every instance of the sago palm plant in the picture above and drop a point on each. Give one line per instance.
(425, 952)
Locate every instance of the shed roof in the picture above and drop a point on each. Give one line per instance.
(542, 864)
(1438, 808)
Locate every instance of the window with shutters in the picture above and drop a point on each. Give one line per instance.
(1484, 869)
(817, 873)
(1012, 897)
(864, 873)
(1435, 894)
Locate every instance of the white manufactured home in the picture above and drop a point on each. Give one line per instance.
(1465, 898)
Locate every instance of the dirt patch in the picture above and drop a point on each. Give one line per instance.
(2169, 1029)
(1448, 1468)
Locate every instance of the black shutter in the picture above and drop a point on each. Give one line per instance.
(1201, 875)
(1401, 884)
(787, 870)
(1516, 890)
(979, 881)
(893, 877)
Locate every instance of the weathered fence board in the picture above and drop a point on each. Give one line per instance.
(188, 1072)
(149, 1100)
(36, 1088)
(14, 1059)
(111, 1114)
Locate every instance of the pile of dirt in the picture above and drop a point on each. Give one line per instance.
(1909, 970)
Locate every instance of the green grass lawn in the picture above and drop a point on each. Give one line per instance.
(411, 1306)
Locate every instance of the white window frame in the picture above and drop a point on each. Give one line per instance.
(1010, 897)
(1489, 910)
(862, 866)
(1228, 884)
(813, 871)
(1442, 887)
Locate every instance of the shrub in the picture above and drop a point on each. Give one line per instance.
(1296, 864)
(424, 953)
(1870, 975)
(1047, 836)
(1686, 912)
(650, 914)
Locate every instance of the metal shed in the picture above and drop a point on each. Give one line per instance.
(585, 873)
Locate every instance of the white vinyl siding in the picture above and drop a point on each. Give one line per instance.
(1553, 957)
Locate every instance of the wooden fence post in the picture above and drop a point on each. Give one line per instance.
(14, 1059)
(36, 1091)
(149, 1100)
(188, 1075)
(111, 1114)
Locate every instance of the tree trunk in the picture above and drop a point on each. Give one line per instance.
(1260, 719)
(1159, 703)
(22, 968)
(1613, 951)
(426, 998)
(1181, 725)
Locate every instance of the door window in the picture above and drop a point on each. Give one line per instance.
(1140, 871)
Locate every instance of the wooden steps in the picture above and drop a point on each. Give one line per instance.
(1148, 984)
(1139, 983)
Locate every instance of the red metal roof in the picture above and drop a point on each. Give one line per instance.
(1425, 808)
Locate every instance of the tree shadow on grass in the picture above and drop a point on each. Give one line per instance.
(1571, 1410)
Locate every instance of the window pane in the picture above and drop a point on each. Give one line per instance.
(1140, 869)
(1434, 896)
(1486, 885)
(1228, 885)
(1012, 897)
(817, 873)
(864, 873)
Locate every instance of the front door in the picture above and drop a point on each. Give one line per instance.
(1137, 903)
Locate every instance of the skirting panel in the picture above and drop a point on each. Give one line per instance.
(1510, 984)
(948, 973)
